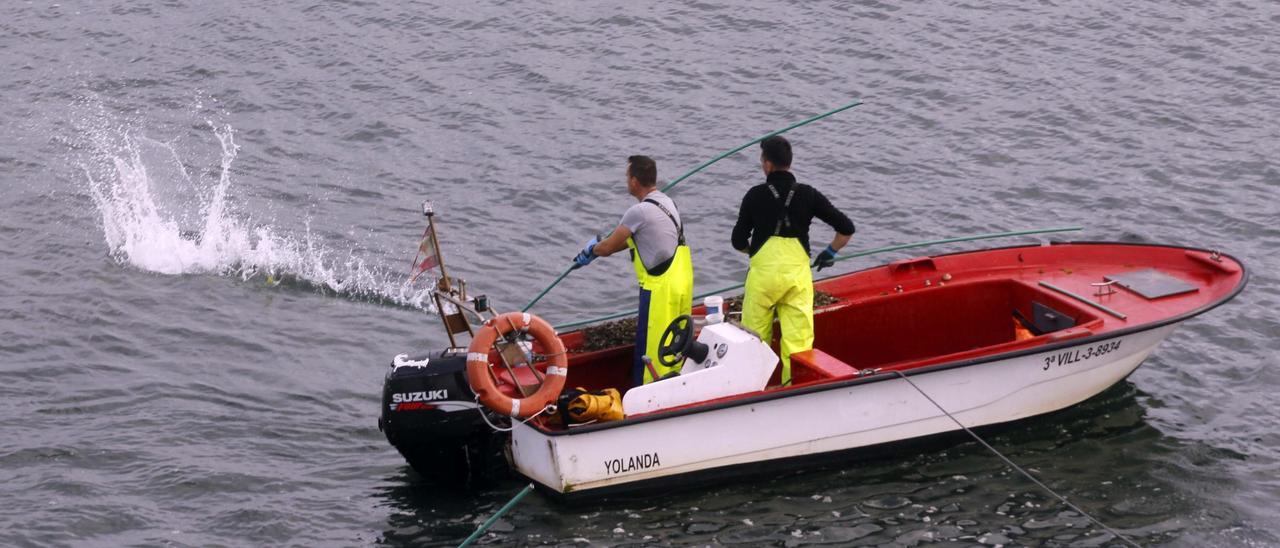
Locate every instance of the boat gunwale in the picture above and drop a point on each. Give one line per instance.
(839, 383)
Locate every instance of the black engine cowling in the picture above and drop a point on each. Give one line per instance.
(430, 415)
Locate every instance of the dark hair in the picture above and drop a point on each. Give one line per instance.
(777, 150)
(644, 169)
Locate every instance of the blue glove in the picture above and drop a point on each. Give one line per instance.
(825, 259)
(585, 256)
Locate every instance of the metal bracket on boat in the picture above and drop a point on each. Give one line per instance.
(868, 372)
(481, 304)
(1215, 255)
(1102, 289)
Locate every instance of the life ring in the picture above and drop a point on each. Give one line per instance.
(485, 385)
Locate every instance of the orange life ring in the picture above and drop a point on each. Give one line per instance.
(485, 385)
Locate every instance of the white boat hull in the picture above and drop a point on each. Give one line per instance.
(828, 419)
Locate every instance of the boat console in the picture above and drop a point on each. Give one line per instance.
(736, 362)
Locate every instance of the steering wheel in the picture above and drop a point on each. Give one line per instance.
(675, 341)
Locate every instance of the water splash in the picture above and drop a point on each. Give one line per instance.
(200, 232)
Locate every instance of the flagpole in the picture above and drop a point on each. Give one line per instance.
(435, 245)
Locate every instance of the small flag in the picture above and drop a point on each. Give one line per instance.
(430, 257)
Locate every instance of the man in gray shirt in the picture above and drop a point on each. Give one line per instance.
(654, 233)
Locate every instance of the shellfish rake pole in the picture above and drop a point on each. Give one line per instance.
(960, 239)
(733, 151)
(850, 256)
(489, 522)
(706, 164)
(548, 288)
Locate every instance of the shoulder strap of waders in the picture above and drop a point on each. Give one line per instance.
(661, 268)
(679, 229)
(784, 218)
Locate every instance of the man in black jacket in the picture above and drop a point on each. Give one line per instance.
(773, 228)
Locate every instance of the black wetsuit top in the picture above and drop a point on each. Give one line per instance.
(759, 217)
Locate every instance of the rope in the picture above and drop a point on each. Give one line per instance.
(988, 236)
(548, 408)
(703, 166)
(489, 522)
(1015, 466)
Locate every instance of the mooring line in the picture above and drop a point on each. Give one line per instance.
(1015, 466)
(489, 522)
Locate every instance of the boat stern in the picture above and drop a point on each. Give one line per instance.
(533, 455)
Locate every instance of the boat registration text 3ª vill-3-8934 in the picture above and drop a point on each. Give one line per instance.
(1077, 355)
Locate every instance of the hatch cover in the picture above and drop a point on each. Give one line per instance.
(1047, 320)
(1151, 283)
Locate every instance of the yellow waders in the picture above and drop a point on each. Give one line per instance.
(662, 299)
(779, 282)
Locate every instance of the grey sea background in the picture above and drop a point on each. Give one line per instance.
(209, 208)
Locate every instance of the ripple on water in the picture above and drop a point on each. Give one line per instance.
(156, 389)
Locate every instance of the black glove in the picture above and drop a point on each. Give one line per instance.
(825, 259)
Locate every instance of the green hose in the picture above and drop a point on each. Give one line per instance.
(887, 249)
(703, 166)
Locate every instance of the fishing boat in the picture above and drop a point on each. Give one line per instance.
(908, 351)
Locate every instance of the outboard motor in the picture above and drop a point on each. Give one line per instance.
(429, 412)
(430, 415)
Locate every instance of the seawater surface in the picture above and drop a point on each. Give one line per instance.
(208, 211)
